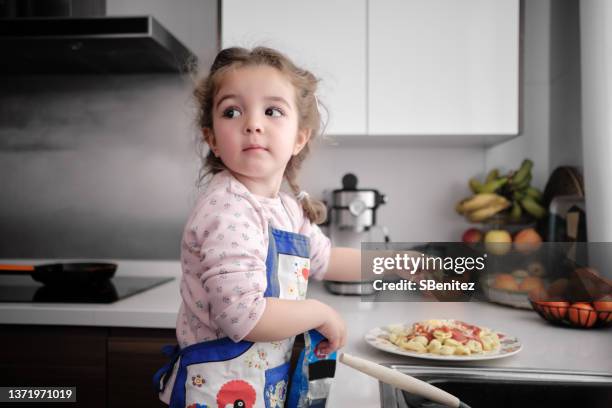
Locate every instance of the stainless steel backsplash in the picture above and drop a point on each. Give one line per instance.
(95, 166)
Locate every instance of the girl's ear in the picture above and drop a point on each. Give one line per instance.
(303, 137)
(210, 139)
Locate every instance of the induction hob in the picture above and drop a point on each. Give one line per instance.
(24, 289)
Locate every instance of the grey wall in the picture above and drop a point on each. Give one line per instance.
(565, 85)
(95, 166)
(422, 184)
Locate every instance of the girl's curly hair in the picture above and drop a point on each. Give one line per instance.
(309, 117)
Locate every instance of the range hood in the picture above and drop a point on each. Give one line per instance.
(89, 45)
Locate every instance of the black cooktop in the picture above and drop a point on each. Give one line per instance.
(24, 289)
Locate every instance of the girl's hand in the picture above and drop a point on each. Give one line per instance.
(333, 329)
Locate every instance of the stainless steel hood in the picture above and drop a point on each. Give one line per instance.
(90, 45)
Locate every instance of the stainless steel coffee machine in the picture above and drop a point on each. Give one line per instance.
(352, 220)
(355, 208)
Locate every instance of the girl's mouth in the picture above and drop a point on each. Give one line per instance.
(253, 147)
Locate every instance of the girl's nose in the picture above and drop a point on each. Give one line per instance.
(253, 125)
(253, 128)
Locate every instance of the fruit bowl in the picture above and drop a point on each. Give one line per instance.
(503, 219)
(507, 296)
(581, 315)
(584, 300)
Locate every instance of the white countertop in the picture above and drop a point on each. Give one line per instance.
(544, 346)
(153, 308)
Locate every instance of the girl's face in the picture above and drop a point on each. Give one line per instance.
(255, 124)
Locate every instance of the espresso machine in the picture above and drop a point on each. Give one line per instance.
(352, 220)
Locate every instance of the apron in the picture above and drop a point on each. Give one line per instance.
(222, 373)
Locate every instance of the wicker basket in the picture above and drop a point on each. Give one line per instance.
(583, 318)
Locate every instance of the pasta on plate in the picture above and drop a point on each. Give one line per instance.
(445, 337)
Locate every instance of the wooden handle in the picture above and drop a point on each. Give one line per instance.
(400, 380)
(17, 269)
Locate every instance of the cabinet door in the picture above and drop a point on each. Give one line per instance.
(56, 356)
(326, 37)
(443, 67)
(134, 356)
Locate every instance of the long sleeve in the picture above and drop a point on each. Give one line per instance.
(225, 248)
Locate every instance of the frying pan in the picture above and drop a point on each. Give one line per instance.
(70, 274)
(401, 380)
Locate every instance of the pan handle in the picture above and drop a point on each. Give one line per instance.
(16, 269)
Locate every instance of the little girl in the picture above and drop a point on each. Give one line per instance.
(248, 249)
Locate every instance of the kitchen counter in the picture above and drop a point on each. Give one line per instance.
(153, 308)
(544, 346)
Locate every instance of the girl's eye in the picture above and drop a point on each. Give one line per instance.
(231, 113)
(274, 112)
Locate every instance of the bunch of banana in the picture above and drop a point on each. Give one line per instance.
(524, 196)
(482, 206)
(499, 192)
(491, 185)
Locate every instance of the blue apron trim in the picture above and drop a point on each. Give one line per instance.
(274, 377)
(273, 285)
(291, 243)
(282, 242)
(309, 359)
(171, 351)
(296, 397)
(279, 242)
(210, 354)
(206, 352)
(215, 350)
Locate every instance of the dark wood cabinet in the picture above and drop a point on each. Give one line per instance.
(134, 355)
(111, 367)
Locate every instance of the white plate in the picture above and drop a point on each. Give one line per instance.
(378, 338)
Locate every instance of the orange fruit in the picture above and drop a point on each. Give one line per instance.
(527, 240)
(531, 283)
(538, 294)
(556, 310)
(604, 309)
(582, 314)
(505, 281)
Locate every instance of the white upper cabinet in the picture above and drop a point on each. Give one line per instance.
(443, 67)
(326, 37)
(397, 67)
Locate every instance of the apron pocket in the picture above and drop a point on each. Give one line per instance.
(275, 391)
